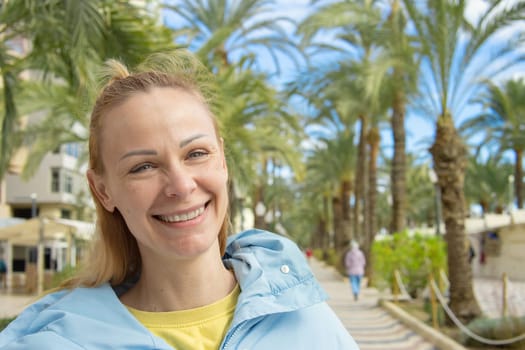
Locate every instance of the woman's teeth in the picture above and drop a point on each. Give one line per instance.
(183, 217)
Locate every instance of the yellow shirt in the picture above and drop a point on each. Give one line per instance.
(202, 328)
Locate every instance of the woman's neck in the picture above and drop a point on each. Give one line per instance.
(180, 285)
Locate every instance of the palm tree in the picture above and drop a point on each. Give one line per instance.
(9, 129)
(395, 72)
(68, 39)
(332, 99)
(420, 194)
(502, 122)
(330, 171)
(257, 127)
(356, 94)
(487, 183)
(223, 31)
(452, 52)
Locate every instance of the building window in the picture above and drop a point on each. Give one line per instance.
(68, 183)
(61, 181)
(72, 149)
(55, 180)
(25, 213)
(65, 214)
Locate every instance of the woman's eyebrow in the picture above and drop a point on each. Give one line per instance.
(151, 152)
(190, 139)
(139, 152)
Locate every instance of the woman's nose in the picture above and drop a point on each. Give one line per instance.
(180, 183)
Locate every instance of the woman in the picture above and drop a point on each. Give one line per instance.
(164, 274)
(355, 263)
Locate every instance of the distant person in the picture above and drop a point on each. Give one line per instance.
(166, 273)
(3, 272)
(471, 251)
(309, 253)
(355, 263)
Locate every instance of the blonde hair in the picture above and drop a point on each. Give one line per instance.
(115, 255)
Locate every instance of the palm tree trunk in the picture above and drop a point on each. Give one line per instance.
(316, 241)
(450, 158)
(518, 178)
(373, 140)
(371, 219)
(338, 222)
(360, 179)
(346, 191)
(258, 221)
(328, 212)
(398, 165)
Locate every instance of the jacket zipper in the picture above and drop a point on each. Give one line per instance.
(230, 337)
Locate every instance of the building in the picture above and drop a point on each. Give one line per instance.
(499, 243)
(57, 209)
(58, 189)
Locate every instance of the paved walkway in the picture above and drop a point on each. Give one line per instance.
(12, 305)
(489, 293)
(370, 325)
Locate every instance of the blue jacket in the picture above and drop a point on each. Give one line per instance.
(281, 306)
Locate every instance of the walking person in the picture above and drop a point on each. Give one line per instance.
(165, 273)
(355, 263)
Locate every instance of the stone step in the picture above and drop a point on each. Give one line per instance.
(372, 327)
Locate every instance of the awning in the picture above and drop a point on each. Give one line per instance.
(28, 232)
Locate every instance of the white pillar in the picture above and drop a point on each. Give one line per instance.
(40, 258)
(8, 255)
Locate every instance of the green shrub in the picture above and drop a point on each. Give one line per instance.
(59, 277)
(496, 329)
(414, 256)
(318, 254)
(4, 322)
(427, 308)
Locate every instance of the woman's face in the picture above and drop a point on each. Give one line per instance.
(165, 172)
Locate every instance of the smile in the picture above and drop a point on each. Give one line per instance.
(182, 217)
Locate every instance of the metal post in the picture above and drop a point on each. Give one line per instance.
(40, 257)
(40, 246)
(504, 308)
(433, 302)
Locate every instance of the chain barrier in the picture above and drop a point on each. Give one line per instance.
(444, 278)
(466, 330)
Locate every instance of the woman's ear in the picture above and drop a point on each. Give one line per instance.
(98, 187)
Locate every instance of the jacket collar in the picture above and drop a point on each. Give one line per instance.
(273, 274)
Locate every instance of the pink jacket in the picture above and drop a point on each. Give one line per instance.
(355, 262)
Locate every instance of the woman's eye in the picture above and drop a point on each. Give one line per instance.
(141, 168)
(197, 154)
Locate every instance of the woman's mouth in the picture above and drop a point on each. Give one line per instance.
(182, 217)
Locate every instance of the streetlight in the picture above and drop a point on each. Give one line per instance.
(434, 179)
(33, 197)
